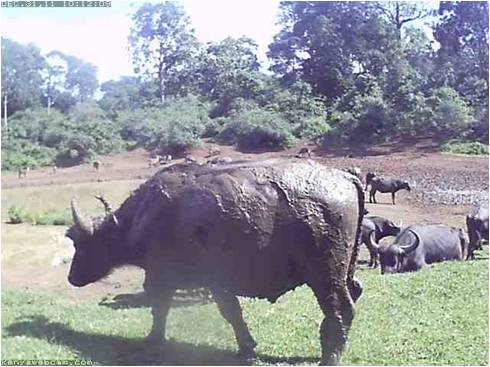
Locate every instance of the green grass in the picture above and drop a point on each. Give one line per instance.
(437, 316)
(40, 200)
(465, 148)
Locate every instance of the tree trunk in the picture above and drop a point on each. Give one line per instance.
(5, 115)
(48, 108)
(161, 83)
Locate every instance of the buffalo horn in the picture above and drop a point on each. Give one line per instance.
(400, 224)
(406, 249)
(85, 226)
(372, 241)
(108, 208)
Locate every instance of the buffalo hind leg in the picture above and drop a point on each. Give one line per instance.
(373, 258)
(338, 310)
(230, 309)
(160, 302)
(393, 198)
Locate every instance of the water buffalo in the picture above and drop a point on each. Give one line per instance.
(420, 245)
(382, 227)
(256, 229)
(369, 177)
(477, 224)
(385, 185)
(304, 151)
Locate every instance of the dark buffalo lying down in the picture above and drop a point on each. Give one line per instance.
(249, 229)
(385, 185)
(382, 227)
(419, 245)
(477, 224)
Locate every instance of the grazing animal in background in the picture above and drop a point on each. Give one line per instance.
(419, 245)
(54, 169)
(96, 165)
(369, 177)
(382, 227)
(304, 151)
(254, 229)
(165, 159)
(154, 161)
(22, 172)
(220, 160)
(385, 185)
(477, 225)
(213, 151)
(190, 159)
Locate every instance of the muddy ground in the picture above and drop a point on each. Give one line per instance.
(446, 187)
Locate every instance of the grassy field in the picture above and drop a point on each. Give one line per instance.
(42, 199)
(438, 316)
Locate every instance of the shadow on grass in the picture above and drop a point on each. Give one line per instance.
(108, 350)
(140, 300)
(115, 350)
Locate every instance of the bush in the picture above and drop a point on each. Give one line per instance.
(54, 218)
(17, 215)
(258, 129)
(26, 155)
(470, 148)
(312, 127)
(174, 126)
(450, 113)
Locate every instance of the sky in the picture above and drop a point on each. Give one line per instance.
(99, 35)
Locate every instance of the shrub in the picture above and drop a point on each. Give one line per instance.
(450, 113)
(26, 155)
(312, 127)
(258, 128)
(17, 215)
(54, 218)
(174, 126)
(470, 148)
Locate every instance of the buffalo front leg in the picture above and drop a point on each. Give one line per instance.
(372, 196)
(160, 303)
(230, 309)
(338, 310)
(393, 198)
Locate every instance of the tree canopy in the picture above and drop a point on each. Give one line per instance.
(359, 70)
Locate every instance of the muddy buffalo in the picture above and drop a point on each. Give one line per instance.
(382, 227)
(477, 225)
(419, 245)
(248, 229)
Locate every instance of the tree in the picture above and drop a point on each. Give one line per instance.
(327, 43)
(162, 42)
(227, 71)
(123, 94)
(21, 78)
(77, 80)
(463, 36)
(54, 75)
(399, 13)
